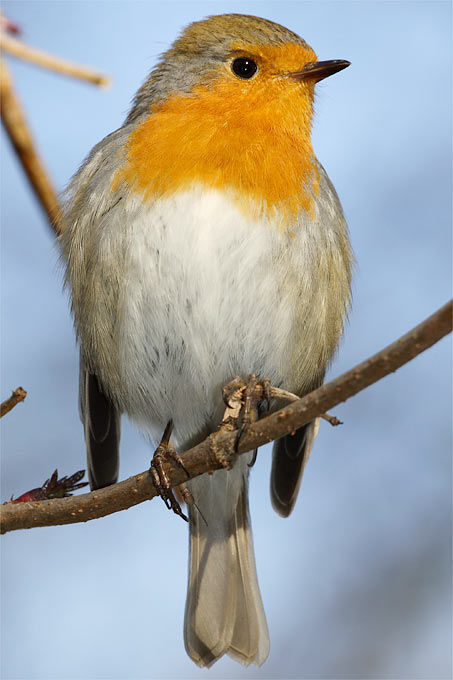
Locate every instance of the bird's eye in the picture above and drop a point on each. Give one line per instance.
(244, 68)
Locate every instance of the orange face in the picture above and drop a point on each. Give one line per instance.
(248, 137)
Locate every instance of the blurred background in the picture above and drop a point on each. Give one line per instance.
(357, 582)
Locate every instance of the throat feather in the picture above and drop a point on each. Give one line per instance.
(260, 156)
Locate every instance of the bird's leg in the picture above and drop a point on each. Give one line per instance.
(263, 407)
(166, 452)
(256, 397)
(243, 400)
(232, 394)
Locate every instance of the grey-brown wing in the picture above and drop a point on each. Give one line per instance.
(291, 452)
(289, 457)
(102, 426)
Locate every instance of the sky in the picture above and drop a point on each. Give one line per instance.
(357, 582)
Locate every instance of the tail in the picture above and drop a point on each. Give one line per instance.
(224, 611)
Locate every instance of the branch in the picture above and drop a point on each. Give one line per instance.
(53, 487)
(8, 26)
(15, 123)
(17, 129)
(17, 48)
(202, 458)
(16, 397)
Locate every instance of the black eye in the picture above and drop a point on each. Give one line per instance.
(244, 68)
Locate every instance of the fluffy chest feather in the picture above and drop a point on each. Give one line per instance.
(201, 293)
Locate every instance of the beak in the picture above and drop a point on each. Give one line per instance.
(317, 70)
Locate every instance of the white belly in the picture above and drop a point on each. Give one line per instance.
(206, 294)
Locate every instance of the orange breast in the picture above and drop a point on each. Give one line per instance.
(250, 139)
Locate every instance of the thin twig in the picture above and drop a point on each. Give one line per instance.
(289, 396)
(8, 26)
(333, 420)
(18, 131)
(16, 397)
(18, 48)
(200, 459)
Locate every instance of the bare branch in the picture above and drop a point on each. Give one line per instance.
(8, 26)
(53, 487)
(16, 397)
(333, 420)
(18, 131)
(289, 396)
(200, 459)
(18, 48)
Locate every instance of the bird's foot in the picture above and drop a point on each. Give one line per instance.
(164, 453)
(243, 401)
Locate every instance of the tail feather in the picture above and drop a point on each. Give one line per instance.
(250, 640)
(224, 611)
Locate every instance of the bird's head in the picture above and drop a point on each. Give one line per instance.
(240, 62)
(229, 106)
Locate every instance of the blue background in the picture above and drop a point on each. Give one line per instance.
(357, 582)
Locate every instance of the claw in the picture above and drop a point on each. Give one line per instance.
(237, 439)
(163, 453)
(253, 461)
(166, 435)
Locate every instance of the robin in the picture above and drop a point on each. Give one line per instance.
(204, 240)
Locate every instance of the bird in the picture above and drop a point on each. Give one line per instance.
(203, 241)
